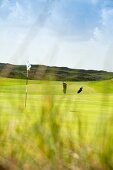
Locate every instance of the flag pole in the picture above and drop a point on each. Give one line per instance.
(26, 88)
(28, 66)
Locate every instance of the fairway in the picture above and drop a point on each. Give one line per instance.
(51, 117)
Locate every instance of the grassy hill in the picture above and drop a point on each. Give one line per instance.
(42, 72)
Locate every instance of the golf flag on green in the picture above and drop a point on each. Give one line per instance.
(28, 66)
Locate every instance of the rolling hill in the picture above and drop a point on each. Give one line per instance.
(43, 72)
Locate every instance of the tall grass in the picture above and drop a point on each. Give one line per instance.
(55, 132)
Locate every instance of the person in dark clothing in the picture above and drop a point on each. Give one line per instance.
(64, 87)
(79, 91)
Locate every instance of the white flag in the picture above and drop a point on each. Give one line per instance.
(28, 65)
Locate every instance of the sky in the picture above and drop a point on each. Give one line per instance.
(71, 33)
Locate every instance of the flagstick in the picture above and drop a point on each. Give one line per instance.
(26, 88)
(28, 66)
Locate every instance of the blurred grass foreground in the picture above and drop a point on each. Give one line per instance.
(56, 131)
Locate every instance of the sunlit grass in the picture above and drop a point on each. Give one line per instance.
(56, 131)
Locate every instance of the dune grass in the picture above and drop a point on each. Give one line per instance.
(55, 130)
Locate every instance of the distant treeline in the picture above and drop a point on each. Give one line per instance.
(42, 72)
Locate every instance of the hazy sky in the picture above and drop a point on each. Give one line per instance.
(71, 33)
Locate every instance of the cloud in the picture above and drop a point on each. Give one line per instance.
(107, 16)
(95, 2)
(104, 30)
(22, 13)
(4, 3)
(15, 14)
(75, 19)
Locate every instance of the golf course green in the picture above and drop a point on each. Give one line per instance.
(55, 129)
